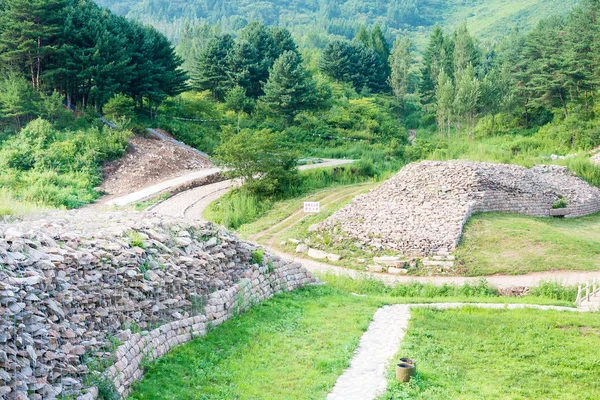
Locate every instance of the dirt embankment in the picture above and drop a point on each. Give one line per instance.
(149, 161)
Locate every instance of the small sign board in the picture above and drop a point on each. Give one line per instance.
(312, 206)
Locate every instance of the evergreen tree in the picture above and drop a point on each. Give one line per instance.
(339, 61)
(212, 67)
(381, 46)
(259, 38)
(465, 51)
(290, 88)
(437, 57)
(29, 35)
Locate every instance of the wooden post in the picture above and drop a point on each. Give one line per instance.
(587, 292)
(578, 301)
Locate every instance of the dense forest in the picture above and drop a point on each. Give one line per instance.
(61, 62)
(313, 22)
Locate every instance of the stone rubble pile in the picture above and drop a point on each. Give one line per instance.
(72, 282)
(422, 210)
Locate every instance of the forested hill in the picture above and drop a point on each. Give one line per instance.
(487, 19)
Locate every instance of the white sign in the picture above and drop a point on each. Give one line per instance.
(312, 206)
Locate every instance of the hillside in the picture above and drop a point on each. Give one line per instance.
(488, 19)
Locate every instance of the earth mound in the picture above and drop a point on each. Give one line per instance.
(422, 210)
(149, 161)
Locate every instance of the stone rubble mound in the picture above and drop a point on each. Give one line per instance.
(422, 210)
(71, 282)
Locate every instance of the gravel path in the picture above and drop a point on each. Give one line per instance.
(501, 281)
(365, 379)
(192, 203)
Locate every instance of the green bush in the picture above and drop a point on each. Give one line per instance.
(46, 166)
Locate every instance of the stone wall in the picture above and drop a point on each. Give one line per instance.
(422, 210)
(71, 283)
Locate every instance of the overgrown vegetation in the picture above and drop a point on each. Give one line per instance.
(525, 354)
(60, 168)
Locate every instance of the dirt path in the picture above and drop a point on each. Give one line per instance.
(501, 281)
(192, 203)
(298, 216)
(365, 379)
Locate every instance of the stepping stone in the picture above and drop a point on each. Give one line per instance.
(317, 254)
(397, 271)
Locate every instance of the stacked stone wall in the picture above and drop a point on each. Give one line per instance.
(422, 210)
(72, 284)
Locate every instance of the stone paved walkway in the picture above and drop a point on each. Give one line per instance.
(365, 379)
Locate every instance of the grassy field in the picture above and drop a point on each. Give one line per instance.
(499, 354)
(513, 244)
(295, 345)
(292, 347)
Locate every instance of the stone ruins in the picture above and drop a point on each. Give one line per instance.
(120, 288)
(421, 211)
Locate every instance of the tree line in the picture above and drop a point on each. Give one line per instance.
(82, 52)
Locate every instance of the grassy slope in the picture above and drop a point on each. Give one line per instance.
(492, 19)
(501, 243)
(499, 354)
(293, 346)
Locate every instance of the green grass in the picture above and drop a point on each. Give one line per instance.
(546, 293)
(9, 206)
(239, 207)
(292, 347)
(295, 345)
(475, 353)
(495, 243)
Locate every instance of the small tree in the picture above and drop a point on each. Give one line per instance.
(259, 159)
(400, 63)
(445, 99)
(17, 99)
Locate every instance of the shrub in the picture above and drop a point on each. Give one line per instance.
(258, 256)
(119, 107)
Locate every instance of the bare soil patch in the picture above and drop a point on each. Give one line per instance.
(149, 161)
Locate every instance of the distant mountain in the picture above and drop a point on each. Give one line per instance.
(315, 20)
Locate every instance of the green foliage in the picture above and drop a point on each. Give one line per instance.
(554, 290)
(290, 88)
(119, 107)
(258, 158)
(562, 203)
(136, 239)
(258, 256)
(237, 208)
(49, 167)
(76, 48)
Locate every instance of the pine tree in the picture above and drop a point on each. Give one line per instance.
(339, 61)
(465, 51)
(30, 35)
(212, 68)
(381, 46)
(290, 88)
(437, 57)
